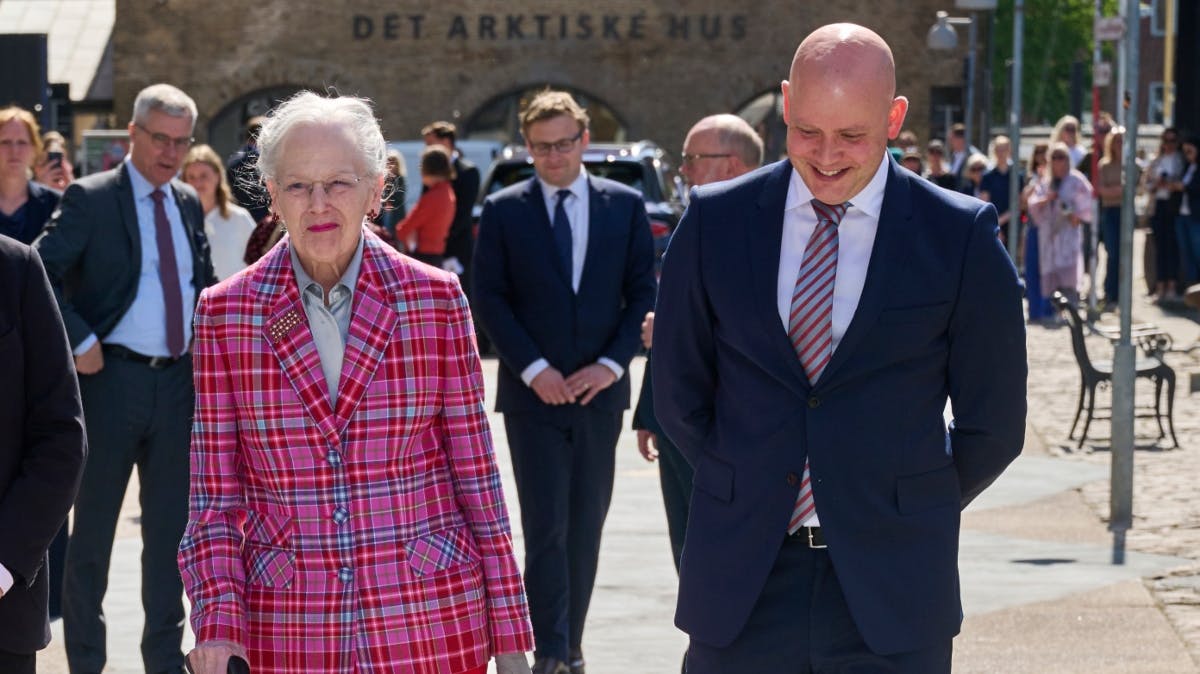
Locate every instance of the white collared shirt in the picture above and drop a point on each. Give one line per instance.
(856, 240)
(576, 206)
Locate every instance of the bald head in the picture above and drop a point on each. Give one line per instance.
(734, 135)
(847, 53)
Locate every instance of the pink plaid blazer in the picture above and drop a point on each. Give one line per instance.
(370, 537)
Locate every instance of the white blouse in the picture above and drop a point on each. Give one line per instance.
(228, 237)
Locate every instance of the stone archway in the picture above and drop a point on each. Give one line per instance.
(764, 112)
(496, 120)
(226, 128)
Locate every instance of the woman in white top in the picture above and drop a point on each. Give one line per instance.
(227, 225)
(1059, 203)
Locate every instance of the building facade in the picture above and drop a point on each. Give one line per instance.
(646, 68)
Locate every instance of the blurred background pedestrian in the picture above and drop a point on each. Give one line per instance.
(423, 233)
(53, 166)
(994, 186)
(1038, 304)
(1110, 186)
(227, 225)
(25, 205)
(1161, 178)
(1060, 203)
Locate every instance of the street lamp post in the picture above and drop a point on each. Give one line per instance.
(942, 36)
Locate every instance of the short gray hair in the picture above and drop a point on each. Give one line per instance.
(164, 98)
(309, 109)
(736, 135)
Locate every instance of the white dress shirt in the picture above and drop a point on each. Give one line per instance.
(227, 238)
(856, 240)
(576, 206)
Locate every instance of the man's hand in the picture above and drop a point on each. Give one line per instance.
(90, 361)
(648, 329)
(590, 380)
(647, 444)
(550, 387)
(512, 663)
(212, 657)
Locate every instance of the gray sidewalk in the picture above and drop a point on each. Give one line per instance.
(1039, 591)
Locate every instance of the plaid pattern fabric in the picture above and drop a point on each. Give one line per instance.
(370, 537)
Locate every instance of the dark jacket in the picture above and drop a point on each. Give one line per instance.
(42, 443)
(92, 250)
(42, 202)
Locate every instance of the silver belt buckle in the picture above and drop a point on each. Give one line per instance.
(811, 543)
(159, 362)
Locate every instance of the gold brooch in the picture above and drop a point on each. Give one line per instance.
(284, 326)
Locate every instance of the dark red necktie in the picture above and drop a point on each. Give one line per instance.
(168, 275)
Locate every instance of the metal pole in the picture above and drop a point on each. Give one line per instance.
(1121, 493)
(1014, 131)
(969, 122)
(1169, 64)
(1119, 90)
(988, 93)
(1094, 171)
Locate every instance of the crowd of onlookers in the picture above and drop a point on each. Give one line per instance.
(1062, 183)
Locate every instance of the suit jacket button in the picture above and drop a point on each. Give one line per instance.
(793, 479)
(814, 402)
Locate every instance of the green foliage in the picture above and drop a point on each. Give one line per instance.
(1057, 33)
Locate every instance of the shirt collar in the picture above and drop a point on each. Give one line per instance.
(142, 187)
(869, 200)
(349, 277)
(578, 187)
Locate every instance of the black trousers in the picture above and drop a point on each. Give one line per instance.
(675, 478)
(801, 625)
(564, 460)
(136, 416)
(18, 663)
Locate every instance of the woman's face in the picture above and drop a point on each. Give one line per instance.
(322, 194)
(16, 148)
(1060, 164)
(202, 177)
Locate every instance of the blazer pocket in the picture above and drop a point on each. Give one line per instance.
(439, 551)
(922, 314)
(269, 567)
(926, 491)
(268, 529)
(714, 477)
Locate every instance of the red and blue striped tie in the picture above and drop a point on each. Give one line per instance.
(810, 321)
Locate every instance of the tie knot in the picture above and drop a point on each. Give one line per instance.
(830, 212)
(157, 196)
(563, 194)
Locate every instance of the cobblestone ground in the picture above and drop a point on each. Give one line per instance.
(1166, 506)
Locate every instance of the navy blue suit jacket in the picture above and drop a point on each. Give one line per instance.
(523, 297)
(940, 316)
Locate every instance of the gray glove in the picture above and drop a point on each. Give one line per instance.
(512, 663)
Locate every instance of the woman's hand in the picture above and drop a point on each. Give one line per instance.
(512, 663)
(212, 657)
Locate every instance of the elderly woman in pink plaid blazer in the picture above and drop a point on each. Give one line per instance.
(346, 511)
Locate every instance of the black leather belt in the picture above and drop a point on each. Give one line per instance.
(155, 362)
(812, 536)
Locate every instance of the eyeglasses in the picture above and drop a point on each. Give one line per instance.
(334, 188)
(693, 158)
(560, 146)
(162, 141)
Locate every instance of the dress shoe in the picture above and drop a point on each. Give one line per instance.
(550, 666)
(576, 661)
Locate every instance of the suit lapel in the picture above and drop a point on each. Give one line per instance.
(373, 321)
(129, 213)
(286, 332)
(598, 206)
(894, 216)
(195, 236)
(765, 237)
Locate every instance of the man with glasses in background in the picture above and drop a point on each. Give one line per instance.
(564, 274)
(127, 258)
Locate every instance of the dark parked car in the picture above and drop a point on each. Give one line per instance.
(641, 165)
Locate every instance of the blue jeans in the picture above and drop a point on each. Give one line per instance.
(1039, 307)
(1110, 233)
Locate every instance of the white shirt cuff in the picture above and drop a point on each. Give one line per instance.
(612, 365)
(6, 580)
(85, 345)
(535, 368)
